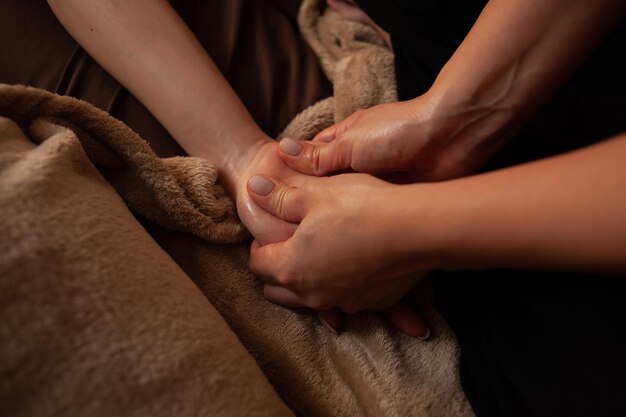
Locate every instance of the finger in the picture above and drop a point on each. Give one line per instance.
(331, 319)
(282, 296)
(407, 320)
(283, 201)
(327, 135)
(265, 261)
(315, 158)
(265, 227)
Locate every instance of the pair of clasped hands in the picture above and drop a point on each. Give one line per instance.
(335, 241)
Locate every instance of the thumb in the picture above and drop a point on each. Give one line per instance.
(315, 158)
(281, 200)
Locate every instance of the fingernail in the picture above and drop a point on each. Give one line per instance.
(260, 185)
(425, 336)
(290, 146)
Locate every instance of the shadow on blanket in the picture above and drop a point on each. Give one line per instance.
(97, 319)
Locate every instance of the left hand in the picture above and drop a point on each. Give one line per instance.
(348, 249)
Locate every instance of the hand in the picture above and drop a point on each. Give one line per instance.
(348, 250)
(267, 228)
(407, 137)
(262, 158)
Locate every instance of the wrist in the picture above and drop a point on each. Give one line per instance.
(436, 220)
(415, 231)
(233, 162)
(472, 124)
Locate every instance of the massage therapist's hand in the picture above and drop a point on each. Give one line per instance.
(513, 60)
(267, 228)
(349, 250)
(409, 137)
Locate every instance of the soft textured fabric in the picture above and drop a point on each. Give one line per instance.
(95, 318)
(180, 193)
(98, 320)
(356, 61)
(533, 343)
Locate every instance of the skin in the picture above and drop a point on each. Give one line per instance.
(193, 101)
(115, 33)
(512, 61)
(576, 204)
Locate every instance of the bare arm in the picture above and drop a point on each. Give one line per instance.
(512, 61)
(566, 212)
(515, 57)
(147, 47)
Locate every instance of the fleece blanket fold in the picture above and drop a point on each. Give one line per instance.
(96, 319)
(179, 193)
(100, 316)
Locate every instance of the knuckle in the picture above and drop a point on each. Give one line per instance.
(281, 201)
(289, 274)
(342, 128)
(286, 278)
(330, 131)
(254, 265)
(316, 160)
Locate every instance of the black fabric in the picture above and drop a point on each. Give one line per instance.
(538, 343)
(533, 343)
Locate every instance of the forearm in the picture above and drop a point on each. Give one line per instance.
(147, 47)
(565, 212)
(512, 61)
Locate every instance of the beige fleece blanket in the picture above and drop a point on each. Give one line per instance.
(98, 317)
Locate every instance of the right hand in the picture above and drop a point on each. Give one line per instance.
(360, 268)
(416, 138)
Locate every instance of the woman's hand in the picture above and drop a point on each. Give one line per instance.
(417, 138)
(512, 61)
(358, 236)
(349, 250)
(267, 228)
